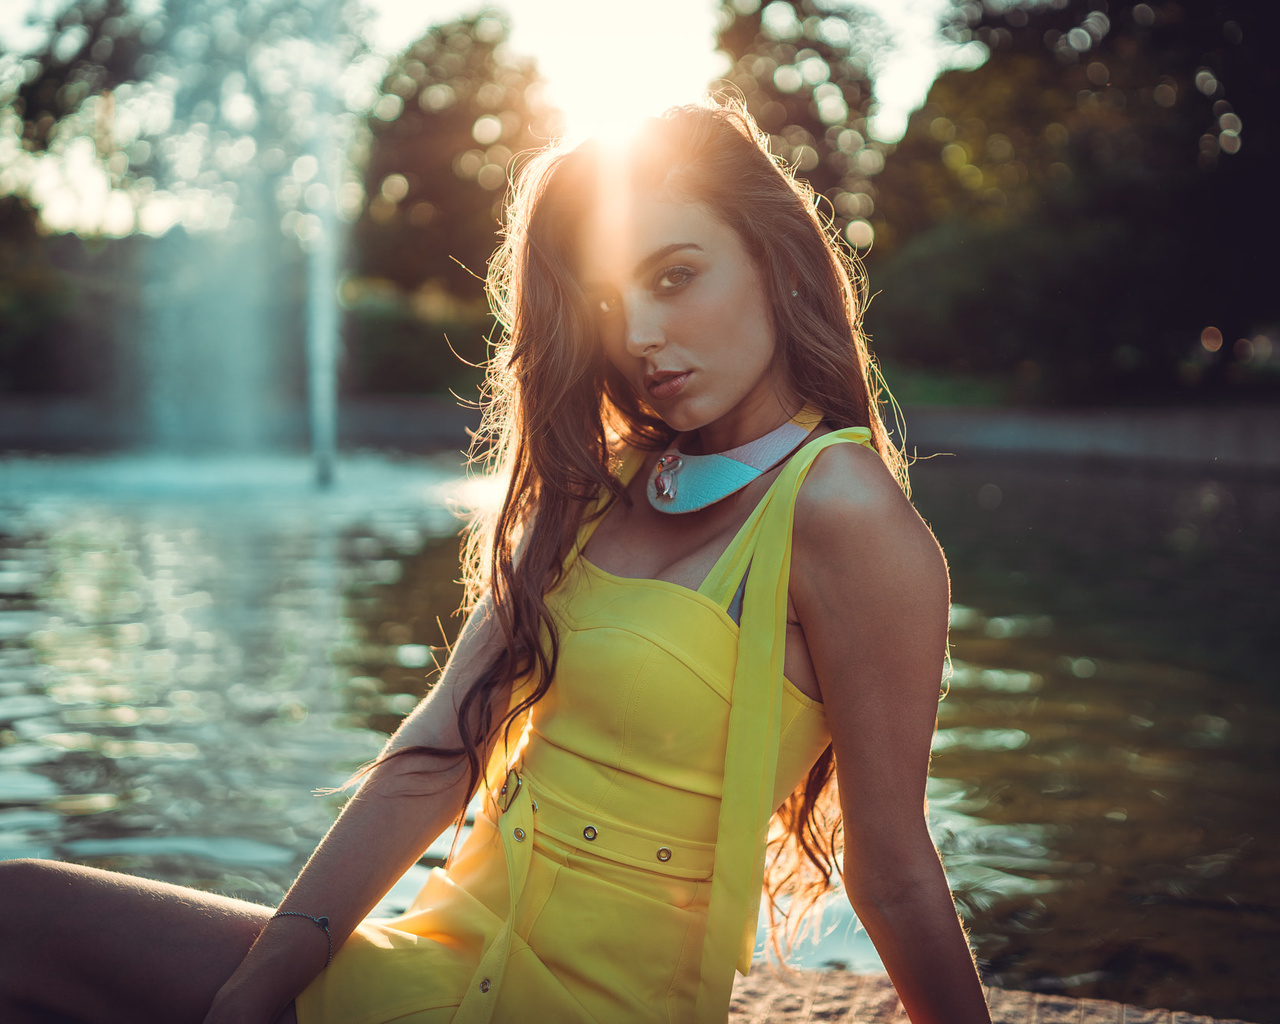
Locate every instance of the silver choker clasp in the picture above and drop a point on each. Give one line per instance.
(664, 483)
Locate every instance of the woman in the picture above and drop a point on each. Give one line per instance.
(705, 598)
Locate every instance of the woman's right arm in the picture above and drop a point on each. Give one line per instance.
(395, 814)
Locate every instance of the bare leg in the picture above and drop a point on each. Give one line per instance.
(96, 947)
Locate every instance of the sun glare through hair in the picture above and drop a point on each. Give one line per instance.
(610, 65)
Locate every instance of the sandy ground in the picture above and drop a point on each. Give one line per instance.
(804, 996)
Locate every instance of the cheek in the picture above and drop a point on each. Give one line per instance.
(746, 327)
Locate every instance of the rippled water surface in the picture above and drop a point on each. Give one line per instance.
(1112, 727)
(189, 650)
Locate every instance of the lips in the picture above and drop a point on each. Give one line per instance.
(664, 384)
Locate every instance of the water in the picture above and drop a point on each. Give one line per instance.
(183, 659)
(1112, 723)
(189, 649)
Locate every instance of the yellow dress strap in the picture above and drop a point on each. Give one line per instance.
(731, 567)
(754, 724)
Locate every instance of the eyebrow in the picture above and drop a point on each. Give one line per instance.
(658, 255)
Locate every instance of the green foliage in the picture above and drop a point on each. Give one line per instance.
(205, 73)
(65, 303)
(169, 96)
(458, 110)
(1062, 304)
(393, 351)
(913, 387)
(800, 66)
(91, 49)
(198, 115)
(1062, 222)
(1074, 213)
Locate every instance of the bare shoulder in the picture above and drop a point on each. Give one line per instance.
(849, 485)
(870, 592)
(851, 514)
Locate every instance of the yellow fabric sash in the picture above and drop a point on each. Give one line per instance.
(751, 758)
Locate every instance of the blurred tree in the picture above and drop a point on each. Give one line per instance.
(202, 115)
(1079, 210)
(209, 95)
(194, 122)
(33, 297)
(455, 110)
(801, 67)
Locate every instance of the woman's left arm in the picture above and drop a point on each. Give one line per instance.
(869, 586)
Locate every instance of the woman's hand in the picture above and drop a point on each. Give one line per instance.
(869, 587)
(233, 1007)
(280, 964)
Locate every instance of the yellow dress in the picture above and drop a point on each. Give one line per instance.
(615, 873)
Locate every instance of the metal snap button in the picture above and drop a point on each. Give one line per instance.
(507, 794)
(535, 806)
(664, 854)
(484, 985)
(589, 833)
(519, 834)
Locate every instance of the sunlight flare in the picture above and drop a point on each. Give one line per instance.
(608, 65)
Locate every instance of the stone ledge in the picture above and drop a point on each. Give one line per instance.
(800, 997)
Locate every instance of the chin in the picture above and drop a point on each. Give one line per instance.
(680, 417)
(686, 413)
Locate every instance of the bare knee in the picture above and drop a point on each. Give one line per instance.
(26, 890)
(36, 891)
(22, 867)
(44, 903)
(23, 884)
(72, 942)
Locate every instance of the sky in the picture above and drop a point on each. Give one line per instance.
(675, 38)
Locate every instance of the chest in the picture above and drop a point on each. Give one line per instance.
(638, 542)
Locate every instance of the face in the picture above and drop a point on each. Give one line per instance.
(684, 317)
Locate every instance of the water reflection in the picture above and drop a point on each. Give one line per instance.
(182, 665)
(1121, 656)
(173, 651)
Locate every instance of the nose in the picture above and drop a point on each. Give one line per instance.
(644, 333)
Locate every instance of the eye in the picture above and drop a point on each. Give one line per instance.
(672, 278)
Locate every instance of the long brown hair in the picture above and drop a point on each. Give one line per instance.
(556, 413)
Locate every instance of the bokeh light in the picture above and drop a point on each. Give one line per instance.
(608, 64)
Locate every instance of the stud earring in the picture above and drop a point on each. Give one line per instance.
(795, 292)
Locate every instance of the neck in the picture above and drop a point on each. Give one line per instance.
(745, 422)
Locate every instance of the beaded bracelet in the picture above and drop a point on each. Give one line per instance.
(323, 922)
